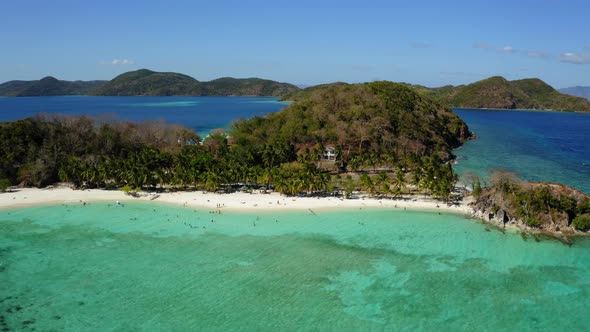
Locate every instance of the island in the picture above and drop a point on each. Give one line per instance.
(48, 86)
(379, 141)
(493, 93)
(578, 91)
(498, 93)
(145, 82)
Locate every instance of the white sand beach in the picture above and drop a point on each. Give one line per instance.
(233, 201)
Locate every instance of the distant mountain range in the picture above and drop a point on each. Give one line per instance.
(48, 86)
(493, 92)
(579, 91)
(145, 82)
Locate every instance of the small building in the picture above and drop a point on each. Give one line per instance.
(329, 153)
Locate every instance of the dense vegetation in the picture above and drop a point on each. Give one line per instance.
(541, 205)
(497, 92)
(578, 91)
(145, 82)
(382, 118)
(394, 140)
(48, 86)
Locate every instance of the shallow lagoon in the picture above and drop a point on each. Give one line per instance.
(164, 267)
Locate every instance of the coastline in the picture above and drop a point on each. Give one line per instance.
(517, 110)
(24, 197)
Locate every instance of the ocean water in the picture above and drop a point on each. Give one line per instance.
(538, 146)
(169, 268)
(200, 113)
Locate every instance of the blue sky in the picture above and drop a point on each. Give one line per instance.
(432, 43)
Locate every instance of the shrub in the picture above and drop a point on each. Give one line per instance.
(582, 222)
(583, 207)
(532, 221)
(128, 189)
(4, 184)
(477, 189)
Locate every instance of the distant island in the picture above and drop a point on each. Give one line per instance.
(146, 82)
(48, 86)
(497, 92)
(579, 91)
(494, 92)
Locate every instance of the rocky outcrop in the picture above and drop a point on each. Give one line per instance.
(540, 208)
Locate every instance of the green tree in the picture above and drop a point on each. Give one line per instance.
(582, 222)
(583, 206)
(348, 185)
(477, 190)
(367, 184)
(4, 184)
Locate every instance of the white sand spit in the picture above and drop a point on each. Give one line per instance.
(234, 201)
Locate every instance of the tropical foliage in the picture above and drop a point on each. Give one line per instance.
(371, 125)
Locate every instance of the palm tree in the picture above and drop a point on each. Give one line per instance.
(280, 183)
(319, 152)
(322, 182)
(367, 184)
(212, 181)
(383, 182)
(399, 181)
(348, 185)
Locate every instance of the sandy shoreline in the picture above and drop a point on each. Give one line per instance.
(235, 201)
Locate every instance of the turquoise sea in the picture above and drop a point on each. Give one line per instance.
(159, 267)
(169, 268)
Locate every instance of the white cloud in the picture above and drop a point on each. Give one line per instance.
(122, 62)
(505, 49)
(501, 49)
(575, 58)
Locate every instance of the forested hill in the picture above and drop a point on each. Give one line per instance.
(497, 92)
(48, 86)
(382, 119)
(145, 82)
(309, 91)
